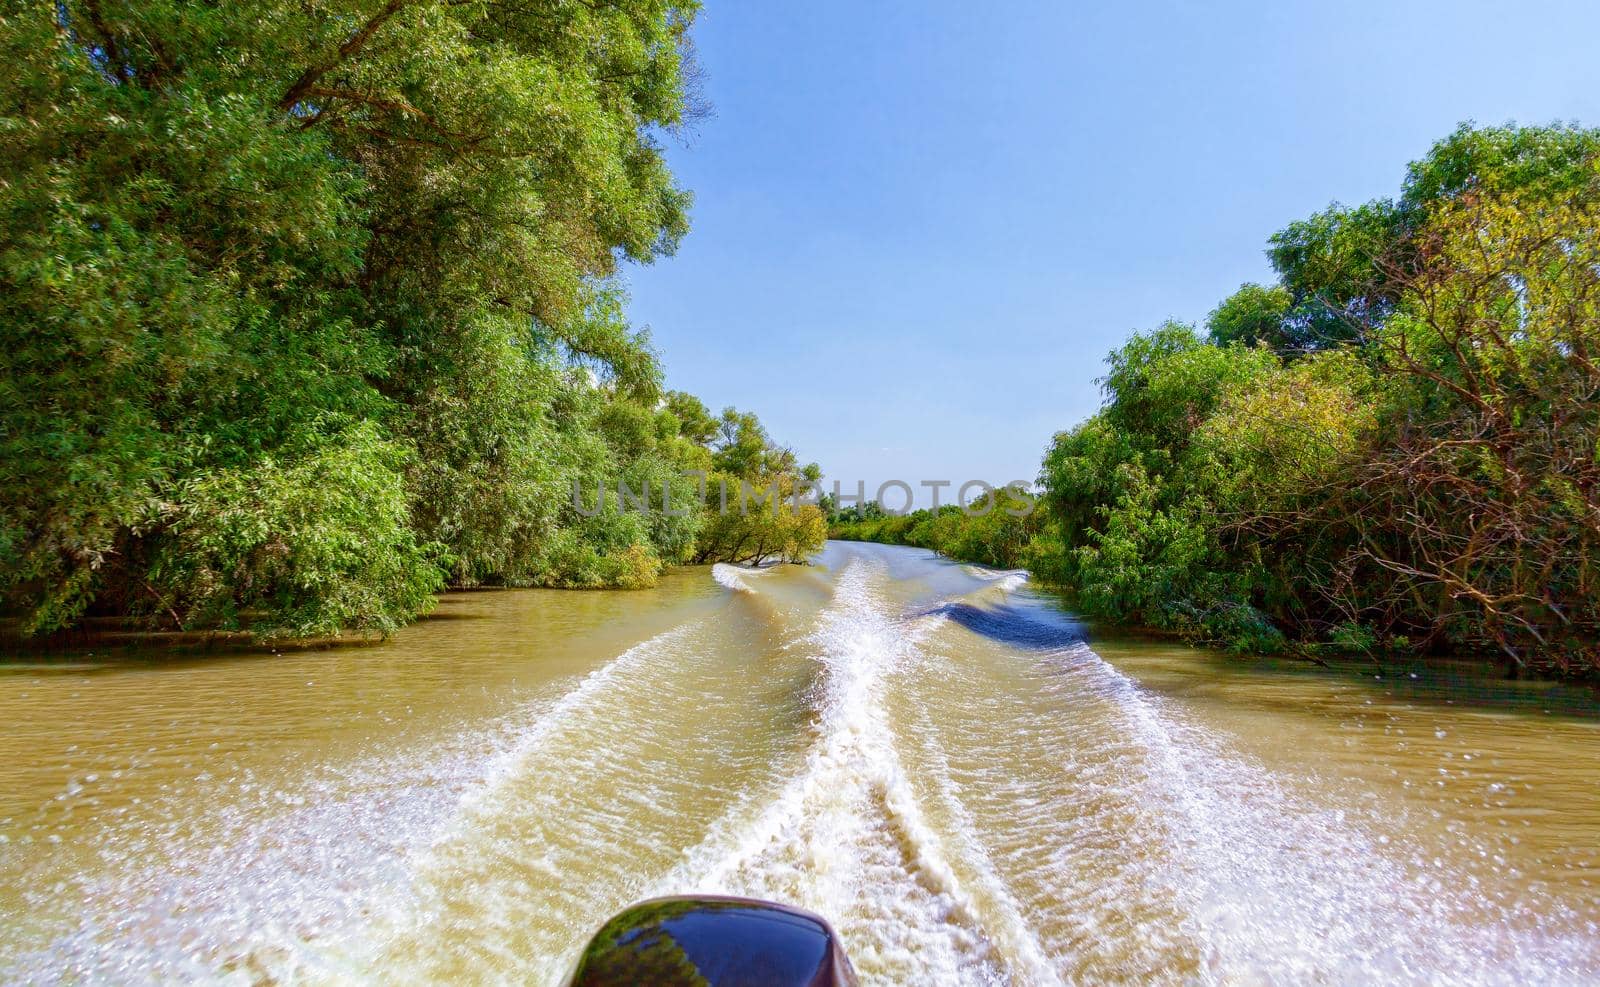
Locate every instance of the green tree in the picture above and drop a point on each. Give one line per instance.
(1254, 314)
(232, 226)
(1346, 267)
(1477, 509)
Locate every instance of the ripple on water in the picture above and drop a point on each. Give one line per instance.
(966, 789)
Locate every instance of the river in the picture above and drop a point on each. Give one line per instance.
(927, 753)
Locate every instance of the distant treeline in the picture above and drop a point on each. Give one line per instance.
(308, 310)
(1394, 446)
(999, 528)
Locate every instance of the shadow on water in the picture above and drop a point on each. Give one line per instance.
(148, 653)
(105, 650)
(1012, 625)
(1041, 621)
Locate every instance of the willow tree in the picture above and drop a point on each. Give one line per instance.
(293, 294)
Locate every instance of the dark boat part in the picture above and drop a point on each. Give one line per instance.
(714, 942)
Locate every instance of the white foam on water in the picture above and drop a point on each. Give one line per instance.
(1153, 841)
(255, 895)
(1157, 852)
(1013, 582)
(1284, 890)
(1046, 801)
(736, 577)
(562, 833)
(1005, 580)
(574, 703)
(845, 837)
(170, 904)
(1003, 917)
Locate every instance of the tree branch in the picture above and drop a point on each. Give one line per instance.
(357, 41)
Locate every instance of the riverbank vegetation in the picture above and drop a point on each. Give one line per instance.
(999, 528)
(1393, 446)
(310, 310)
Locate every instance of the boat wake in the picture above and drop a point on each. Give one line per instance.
(1006, 580)
(846, 836)
(965, 788)
(736, 577)
(1071, 826)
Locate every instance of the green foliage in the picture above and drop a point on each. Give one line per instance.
(1346, 268)
(1164, 384)
(1288, 434)
(1160, 504)
(1533, 163)
(574, 558)
(1353, 638)
(759, 503)
(997, 529)
(1252, 315)
(307, 542)
(695, 423)
(307, 308)
(1339, 268)
(761, 520)
(1408, 462)
(1477, 501)
(1134, 494)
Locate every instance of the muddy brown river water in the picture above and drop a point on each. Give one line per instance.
(929, 754)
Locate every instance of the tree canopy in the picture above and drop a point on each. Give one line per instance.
(309, 307)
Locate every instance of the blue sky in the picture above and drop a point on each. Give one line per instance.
(919, 227)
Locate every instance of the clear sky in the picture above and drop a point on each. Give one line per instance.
(920, 226)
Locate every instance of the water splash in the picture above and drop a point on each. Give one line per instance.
(1005, 580)
(736, 577)
(970, 792)
(846, 836)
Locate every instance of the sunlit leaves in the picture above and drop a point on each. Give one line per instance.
(230, 225)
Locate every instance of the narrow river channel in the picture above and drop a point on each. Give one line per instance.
(929, 754)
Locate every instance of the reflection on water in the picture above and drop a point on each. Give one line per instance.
(925, 753)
